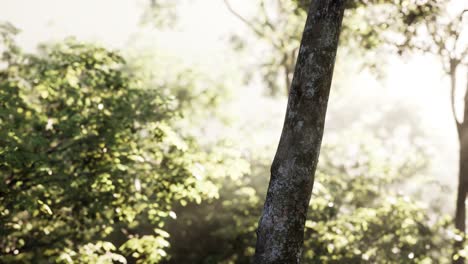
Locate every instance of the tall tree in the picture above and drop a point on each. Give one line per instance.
(281, 228)
(441, 35)
(453, 56)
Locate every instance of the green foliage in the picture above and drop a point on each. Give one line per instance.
(227, 224)
(195, 93)
(382, 23)
(356, 215)
(99, 252)
(7, 44)
(90, 166)
(394, 231)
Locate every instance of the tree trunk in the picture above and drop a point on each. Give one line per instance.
(460, 211)
(280, 233)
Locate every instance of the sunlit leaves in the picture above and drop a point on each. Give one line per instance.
(89, 154)
(387, 233)
(99, 252)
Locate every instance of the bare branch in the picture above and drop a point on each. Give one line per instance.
(462, 13)
(251, 25)
(243, 19)
(266, 17)
(458, 32)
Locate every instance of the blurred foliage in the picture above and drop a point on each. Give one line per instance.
(90, 163)
(442, 34)
(371, 23)
(160, 13)
(358, 213)
(368, 27)
(195, 93)
(221, 230)
(8, 47)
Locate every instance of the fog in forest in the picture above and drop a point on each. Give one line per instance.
(193, 193)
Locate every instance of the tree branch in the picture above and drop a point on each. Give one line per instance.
(251, 25)
(457, 34)
(241, 18)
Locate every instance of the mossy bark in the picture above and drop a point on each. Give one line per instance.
(280, 233)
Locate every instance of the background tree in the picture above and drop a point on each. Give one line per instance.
(443, 37)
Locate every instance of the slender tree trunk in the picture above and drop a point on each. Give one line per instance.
(460, 211)
(280, 233)
(460, 218)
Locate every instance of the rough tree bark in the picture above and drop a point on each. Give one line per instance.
(280, 233)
